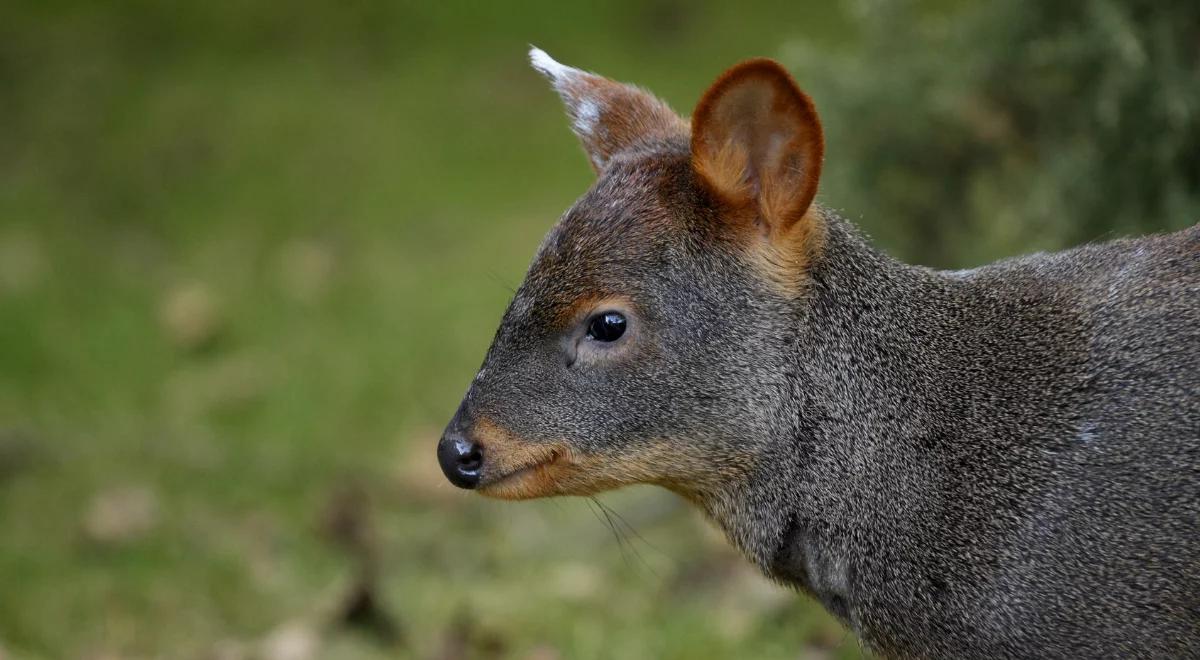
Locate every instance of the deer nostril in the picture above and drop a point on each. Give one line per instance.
(472, 460)
(461, 459)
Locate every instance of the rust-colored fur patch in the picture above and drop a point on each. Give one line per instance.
(609, 117)
(518, 470)
(785, 261)
(507, 459)
(577, 309)
(628, 115)
(723, 167)
(757, 143)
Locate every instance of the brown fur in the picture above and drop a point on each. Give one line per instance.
(540, 470)
(762, 181)
(516, 469)
(742, 159)
(573, 312)
(627, 116)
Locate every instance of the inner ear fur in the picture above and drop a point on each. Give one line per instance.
(757, 144)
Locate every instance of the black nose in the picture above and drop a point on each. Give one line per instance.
(461, 459)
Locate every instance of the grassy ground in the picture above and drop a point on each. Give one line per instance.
(249, 258)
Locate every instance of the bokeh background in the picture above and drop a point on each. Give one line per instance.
(251, 254)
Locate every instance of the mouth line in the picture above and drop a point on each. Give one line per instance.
(517, 474)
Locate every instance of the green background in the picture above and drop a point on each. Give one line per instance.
(251, 254)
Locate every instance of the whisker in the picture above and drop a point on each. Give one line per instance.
(498, 279)
(609, 513)
(621, 539)
(607, 522)
(636, 534)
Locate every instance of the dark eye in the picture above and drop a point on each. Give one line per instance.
(606, 326)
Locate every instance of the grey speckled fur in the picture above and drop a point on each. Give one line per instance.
(998, 463)
(1002, 462)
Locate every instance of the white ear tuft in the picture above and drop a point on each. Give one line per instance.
(558, 73)
(608, 117)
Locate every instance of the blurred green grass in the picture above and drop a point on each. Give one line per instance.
(250, 256)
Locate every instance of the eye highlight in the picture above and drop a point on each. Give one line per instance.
(606, 327)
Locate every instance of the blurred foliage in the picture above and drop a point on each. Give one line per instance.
(251, 255)
(1006, 127)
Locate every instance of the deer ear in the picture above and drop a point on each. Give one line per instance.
(757, 144)
(607, 116)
